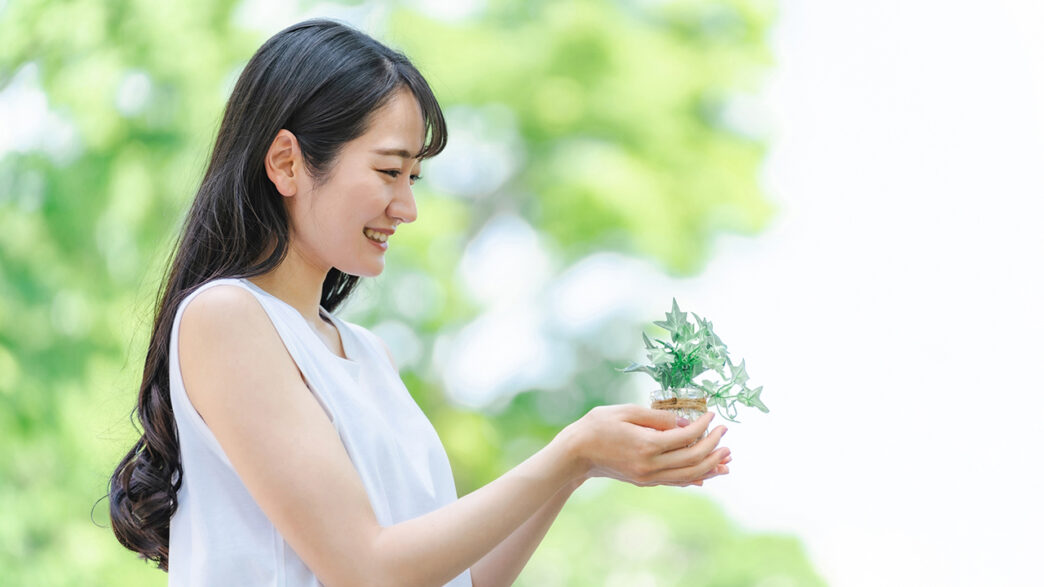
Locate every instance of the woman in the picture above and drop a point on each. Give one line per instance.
(279, 444)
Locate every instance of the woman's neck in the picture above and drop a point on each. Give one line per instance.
(296, 282)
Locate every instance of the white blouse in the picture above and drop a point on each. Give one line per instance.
(219, 536)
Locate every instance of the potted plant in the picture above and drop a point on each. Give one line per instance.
(678, 364)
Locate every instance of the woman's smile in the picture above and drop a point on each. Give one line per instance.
(379, 237)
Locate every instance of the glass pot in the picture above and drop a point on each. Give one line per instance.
(685, 404)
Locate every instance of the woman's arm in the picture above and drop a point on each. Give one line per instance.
(505, 562)
(247, 388)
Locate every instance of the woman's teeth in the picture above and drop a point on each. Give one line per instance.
(375, 236)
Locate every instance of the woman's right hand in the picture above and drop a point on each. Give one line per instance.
(645, 447)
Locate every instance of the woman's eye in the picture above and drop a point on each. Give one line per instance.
(394, 173)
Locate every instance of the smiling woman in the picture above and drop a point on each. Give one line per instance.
(346, 215)
(280, 445)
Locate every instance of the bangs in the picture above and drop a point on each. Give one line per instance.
(434, 122)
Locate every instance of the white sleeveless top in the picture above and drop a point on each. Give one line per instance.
(219, 536)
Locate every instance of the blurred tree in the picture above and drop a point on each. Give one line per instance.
(602, 125)
(621, 109)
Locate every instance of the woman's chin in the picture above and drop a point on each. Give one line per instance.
(369, 270)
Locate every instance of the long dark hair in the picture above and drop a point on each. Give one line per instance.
(321, 80)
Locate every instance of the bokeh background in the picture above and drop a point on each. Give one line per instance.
(851, 191)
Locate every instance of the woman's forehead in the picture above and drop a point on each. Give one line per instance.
(397, 126)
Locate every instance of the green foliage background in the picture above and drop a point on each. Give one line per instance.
(616, 111)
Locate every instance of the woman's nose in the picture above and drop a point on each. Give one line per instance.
(403, 206)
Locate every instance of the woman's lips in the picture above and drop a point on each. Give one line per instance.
(377, 236)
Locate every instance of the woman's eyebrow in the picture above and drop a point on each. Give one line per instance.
(396, 153)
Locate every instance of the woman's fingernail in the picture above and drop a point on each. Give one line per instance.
(682, 422)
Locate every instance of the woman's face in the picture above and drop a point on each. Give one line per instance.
(347, 222)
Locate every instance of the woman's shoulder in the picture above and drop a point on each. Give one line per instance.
(227, 342)
(222, 311)
(223, 293)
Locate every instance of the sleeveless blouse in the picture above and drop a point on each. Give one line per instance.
(219, 536)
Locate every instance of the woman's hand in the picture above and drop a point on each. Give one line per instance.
(647, 447)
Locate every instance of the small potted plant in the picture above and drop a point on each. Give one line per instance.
(692, 352)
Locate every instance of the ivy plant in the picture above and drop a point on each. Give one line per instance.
(693, 351)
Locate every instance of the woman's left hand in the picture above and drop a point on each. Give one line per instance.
(721, 469)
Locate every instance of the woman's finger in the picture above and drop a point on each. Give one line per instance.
(650, 418)
(684, 436)
(692, 469)
(719, 470)
(690, 454)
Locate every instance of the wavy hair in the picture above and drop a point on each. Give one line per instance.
(322, 81)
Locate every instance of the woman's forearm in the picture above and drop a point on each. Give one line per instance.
(505, 562)
(435, 547)
(631, 443)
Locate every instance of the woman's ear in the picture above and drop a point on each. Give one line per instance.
(284, 163)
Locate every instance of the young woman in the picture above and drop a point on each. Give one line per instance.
(280, 446)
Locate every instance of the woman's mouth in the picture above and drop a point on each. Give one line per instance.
(375, 236)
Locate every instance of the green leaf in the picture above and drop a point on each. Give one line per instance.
(677, 323)
(753, 399)
(660, 356)
(676, 316)
(635, 367)
(687, 347)
(739, 373)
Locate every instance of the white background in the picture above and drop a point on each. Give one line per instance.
(893, 311)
